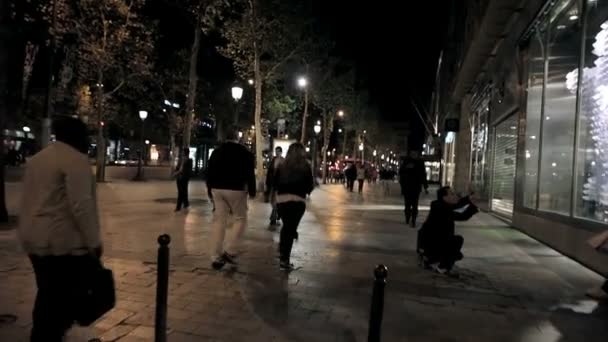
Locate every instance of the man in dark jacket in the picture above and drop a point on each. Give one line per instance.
(438, 244)
(270, 193)
(351, 177)
(182, 178)
(231, 175)
(412, 177)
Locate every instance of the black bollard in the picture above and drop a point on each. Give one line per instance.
(375, 318)
(162, 289)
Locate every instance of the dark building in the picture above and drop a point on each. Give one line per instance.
(528, 82)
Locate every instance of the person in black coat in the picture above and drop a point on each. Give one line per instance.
(412, 177)
(351, 177)
(438, 245)
(182, 178)
(293, 181)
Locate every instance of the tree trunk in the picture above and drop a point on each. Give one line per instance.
(344, 145)
(5, 44)
(259, 139)
(304, 116)
(101, 143)
(193, 80)
(326, 130)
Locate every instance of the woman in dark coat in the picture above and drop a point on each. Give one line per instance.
(438, 245)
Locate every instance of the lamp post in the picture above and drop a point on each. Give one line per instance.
(317, 130)
(237, 94)
(140, 173)
(303, 84)
(362, 149)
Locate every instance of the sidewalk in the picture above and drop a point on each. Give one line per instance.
(511, 287)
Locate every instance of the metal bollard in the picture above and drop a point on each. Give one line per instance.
(375, 318)
(162, 289)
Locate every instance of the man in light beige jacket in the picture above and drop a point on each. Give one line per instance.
(59, 227)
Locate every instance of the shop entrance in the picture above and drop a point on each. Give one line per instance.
(504, 165)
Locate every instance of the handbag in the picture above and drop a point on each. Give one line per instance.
(98, 295)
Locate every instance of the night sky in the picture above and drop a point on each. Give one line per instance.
(395, 47)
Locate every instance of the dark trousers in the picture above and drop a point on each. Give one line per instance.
(605, 286)
(361, 182)
(182, 194)
(411, 206)
(449, 252)
(60, 282)
(350, 184)
(291, 214)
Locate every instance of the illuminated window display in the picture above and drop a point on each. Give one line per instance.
(479, 146)
(551, 113)
(592, 167)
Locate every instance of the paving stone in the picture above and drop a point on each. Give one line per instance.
(511, 287)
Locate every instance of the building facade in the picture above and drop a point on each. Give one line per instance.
(530, 91)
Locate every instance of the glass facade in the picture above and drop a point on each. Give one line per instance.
(479, 145)
(591, 191)
(565, 169)
(504, 166)
(536, 77)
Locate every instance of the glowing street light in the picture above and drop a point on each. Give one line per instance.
(237, 93)
(143, 115)
(26, 129)
(250, 81)
(339, 130)
(317, 127)
(340, 113)
(302, 82)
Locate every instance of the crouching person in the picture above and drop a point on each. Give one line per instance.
(438, 245)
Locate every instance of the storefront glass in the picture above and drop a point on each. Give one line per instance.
(503, 179)
(592, 169)
(560, 108)
(536, 68)
(479, 148)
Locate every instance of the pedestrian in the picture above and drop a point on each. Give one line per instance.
(438, 245)
(412, 177)
(351, 176)
(270, 194)
(361, 173)
(385, 180)
(293, 182)
(59, 229)
(230, 177)
(182, 178)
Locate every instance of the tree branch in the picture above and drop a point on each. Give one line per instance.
(281, 62)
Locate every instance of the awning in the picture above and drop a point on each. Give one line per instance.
(496, 19)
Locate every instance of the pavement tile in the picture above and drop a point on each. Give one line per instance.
(342, 237)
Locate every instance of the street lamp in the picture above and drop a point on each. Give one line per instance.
(317, 130)
(26, 129)
(237, 94)
(303, 84)
(143, 115)
(250, 81)
(362, 149)
(340, 113)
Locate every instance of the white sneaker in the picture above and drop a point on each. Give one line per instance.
(597, 293)
(438, 269)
